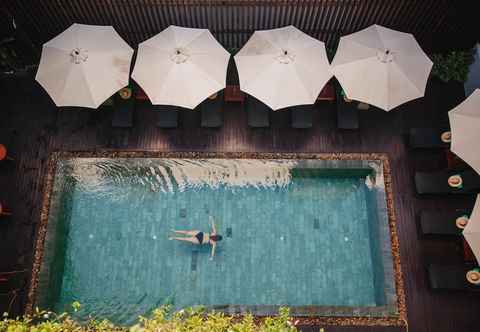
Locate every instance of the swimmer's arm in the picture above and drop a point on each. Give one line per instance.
(214, 245)
(214, 231)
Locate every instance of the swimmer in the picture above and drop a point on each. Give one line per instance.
(200, 238)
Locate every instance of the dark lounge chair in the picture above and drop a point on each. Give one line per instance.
(167, 116)
(435, 222)
(302, 116)
(347, 113)
(258, 113)
(122, 111)
(450, 277)
(437, 182)
(212, 112)
(426, 138)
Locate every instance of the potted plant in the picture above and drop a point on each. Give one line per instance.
(452, 66)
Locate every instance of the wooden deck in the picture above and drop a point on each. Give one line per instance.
(32, 127)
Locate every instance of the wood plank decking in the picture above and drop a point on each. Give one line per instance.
(32, 127)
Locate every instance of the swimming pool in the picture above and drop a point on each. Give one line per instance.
(308, 232)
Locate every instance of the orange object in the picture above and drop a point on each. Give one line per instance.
(3, 211)
(3, 152)
(234, 94)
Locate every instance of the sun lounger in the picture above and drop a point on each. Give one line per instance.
(212, 112)
(167, 116)
(450, 277)
(435, 222)
(347, 113)
(302, 116)
(427, 138)
(437, 182)
(258, 113)
(122, 112)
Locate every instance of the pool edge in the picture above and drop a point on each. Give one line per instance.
(41, 231)
(400, 320)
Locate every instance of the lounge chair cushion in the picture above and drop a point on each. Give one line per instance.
(435, 222)
(167, 116)
(257, 113)
(212, 112)
(426, 138)
(450, 277)
(347, 113)
(437, 182)
(301, 116)
(122, 112)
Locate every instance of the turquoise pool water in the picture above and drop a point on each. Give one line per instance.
(305, 234)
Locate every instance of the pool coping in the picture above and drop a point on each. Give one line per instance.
(397, 320)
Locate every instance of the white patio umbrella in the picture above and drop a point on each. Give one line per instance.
(181, 66)
(283, 67)
(465, 126)
(471, 232)
(84, 65)
(381, 67)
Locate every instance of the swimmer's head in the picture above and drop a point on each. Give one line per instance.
(216, 238)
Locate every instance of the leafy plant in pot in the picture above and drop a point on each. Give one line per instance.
(452, 66)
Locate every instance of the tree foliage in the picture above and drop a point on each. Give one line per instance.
(452, 66)
(161, 320)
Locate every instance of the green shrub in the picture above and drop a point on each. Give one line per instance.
(161, 320)
(452, 66)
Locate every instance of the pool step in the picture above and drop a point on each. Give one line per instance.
(329, 172)
(193, 265)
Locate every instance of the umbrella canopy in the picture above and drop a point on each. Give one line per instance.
(471, 232)
(84, 65)
(283, 67)
(181, 66)
(381, 66)
(465, 126)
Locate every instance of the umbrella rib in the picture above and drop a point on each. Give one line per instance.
(196, 37)
(406, 71)
(259, 73)
(254, 55)
(84, 77)
(163, 82)
(199, 68)
(260, 36)
(406, 77)
(76, 34)
(352, 62)
(380, 37)
(365, 46)
(357, 59)
(270, 42)
(50, 70)
(88, 87)
(305, 86)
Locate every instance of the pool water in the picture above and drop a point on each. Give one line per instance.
(295, 233)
